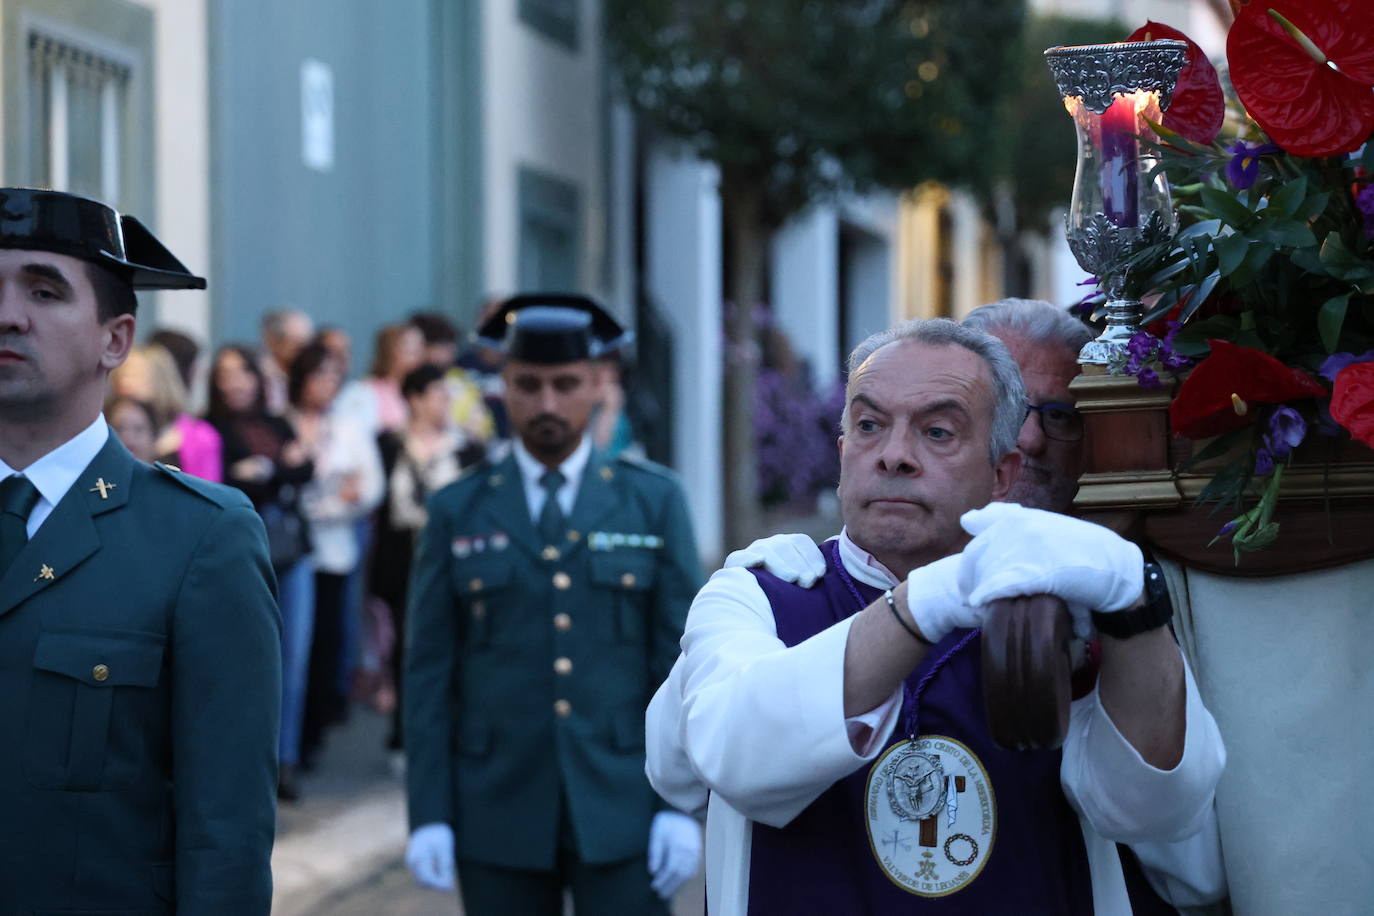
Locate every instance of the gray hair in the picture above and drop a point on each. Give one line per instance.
(1038, 321)
(1009, 392)
(273, 323)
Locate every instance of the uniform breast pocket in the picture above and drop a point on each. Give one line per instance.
(483, 587)
(625, 578)
(92, 709)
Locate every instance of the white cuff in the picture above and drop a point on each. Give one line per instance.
(868, 731)
(1125, 798)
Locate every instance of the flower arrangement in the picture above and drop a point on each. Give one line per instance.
(1267, 290)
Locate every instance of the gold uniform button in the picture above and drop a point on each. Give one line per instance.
(628, 580)
(100, 672)
(562, 666)
(574, 536)
(475, 585)
(562, 581)
(562, 622)
(562, 708)
(607, 473)
(479, 609)
(550, 553)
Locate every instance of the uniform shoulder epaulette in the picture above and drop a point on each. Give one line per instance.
(644, 464)
(220, 494)
(480, 467)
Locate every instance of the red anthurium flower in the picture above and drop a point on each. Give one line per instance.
(1352, 401)
(1198, 106)
(1288, 85)
(1220, 392)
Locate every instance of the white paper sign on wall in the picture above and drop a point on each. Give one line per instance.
(317, 115)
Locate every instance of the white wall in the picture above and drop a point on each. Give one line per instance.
(181, 99)
(805, 289)
(541, 108)
(682, 265)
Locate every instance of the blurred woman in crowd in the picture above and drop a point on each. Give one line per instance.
(346, 487)
(150, 374)
(376, 401)
(132, 421)
(263, 458)
(428, 454)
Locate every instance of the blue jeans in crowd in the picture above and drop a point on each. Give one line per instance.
(351, 647)
(296, 597)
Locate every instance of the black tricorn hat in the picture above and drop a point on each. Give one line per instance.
(550, 328)
(43, 220)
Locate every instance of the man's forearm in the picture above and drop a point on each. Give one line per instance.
(878, 655)
(1142, 689)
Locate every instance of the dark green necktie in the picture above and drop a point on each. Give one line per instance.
(17, 498)
(551, 523)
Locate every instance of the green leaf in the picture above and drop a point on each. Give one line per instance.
(1330, 318)
(1286, 232)
(1218, 446)
(1284, 202)
(1227, 484)
(1231, 250)
(1367, 160)
(1200, 292)
(1313, 207)
(1192, 337)
(1335, 256)
(1226, 206)
(1310, 261)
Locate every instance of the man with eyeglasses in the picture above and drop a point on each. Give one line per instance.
(1044, 341)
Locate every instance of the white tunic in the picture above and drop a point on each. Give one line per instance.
(761, 726)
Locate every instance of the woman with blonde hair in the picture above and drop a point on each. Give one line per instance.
(150, 374)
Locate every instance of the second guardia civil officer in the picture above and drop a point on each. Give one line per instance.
(548, 596)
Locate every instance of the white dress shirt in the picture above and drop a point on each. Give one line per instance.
(346, 449)
(532, 469)
(54, 473)
(762, 727)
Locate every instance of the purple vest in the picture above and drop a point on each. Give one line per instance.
(822, 863)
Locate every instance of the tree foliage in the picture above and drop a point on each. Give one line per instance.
(799, 99)
(1033, 135)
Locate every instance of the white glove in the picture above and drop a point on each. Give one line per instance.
(674, 851)
(429, 856)
(1018, 551)
(790, 557)
(935, 602)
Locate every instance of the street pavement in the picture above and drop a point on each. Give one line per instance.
(339, 850)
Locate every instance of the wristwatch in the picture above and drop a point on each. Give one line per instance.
(1157, 610)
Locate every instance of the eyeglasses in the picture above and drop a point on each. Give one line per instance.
(1059, 421)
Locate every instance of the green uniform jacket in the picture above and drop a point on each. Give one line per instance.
(141, 674)
(529, 665)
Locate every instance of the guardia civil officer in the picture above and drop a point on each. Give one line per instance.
(547, 599)
(139, 637)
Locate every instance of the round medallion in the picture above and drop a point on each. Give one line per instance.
(932, 815)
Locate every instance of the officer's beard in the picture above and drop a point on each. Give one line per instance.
(549, 438)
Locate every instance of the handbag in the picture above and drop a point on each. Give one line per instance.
(288, 538)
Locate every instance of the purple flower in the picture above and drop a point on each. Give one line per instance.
(1338, 361)
(1227, 528)
(1243, 167)
(1167, 356)
(1140, 349)
(1364, 202)
(1148, 378)
(1286, 431)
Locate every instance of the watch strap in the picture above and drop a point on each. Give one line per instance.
(1157, 610)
